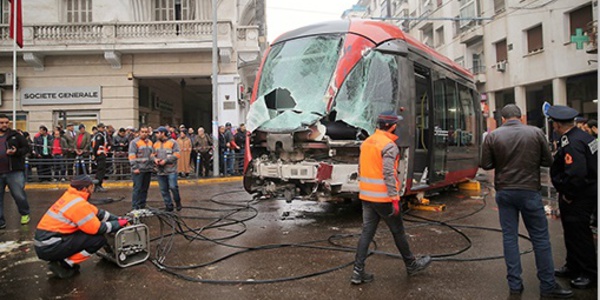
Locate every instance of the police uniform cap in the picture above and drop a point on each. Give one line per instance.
(162, 129)
(562, 113)
(388, 117)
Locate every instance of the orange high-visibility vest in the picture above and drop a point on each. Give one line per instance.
(372, 185)
(72, 212)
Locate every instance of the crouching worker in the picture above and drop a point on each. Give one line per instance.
(72, 229)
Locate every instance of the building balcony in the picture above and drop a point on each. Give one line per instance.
(471, 35)
(131, 37)
(478, 74)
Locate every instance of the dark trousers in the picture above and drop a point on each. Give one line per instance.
(44, 168)
(579, 239)
(71, 244)
(372, 213)
(529, 204)
(80, 165)
(69, 160)
(204, 164)
(101, 168)
(59, 166)
(141, 183)
(222, 162)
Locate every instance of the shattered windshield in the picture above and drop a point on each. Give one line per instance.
(369, 89)
(293, 83)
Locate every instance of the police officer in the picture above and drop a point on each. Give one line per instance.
(574, 175)
(100, 149)
(379, 193)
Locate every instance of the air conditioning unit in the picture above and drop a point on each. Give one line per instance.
(6, 79)
(501, 66)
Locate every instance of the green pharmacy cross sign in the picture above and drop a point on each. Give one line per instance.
(579, 38)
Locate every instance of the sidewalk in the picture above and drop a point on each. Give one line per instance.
(127, 183)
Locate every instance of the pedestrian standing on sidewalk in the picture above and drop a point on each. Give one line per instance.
(185, 147)
(99, 150)
(13, 148)
(43, 151)
(516, 152)
(203, 145)
(166, 154)
(575, 176)
(69, 152)
(379, 190)
(59, 148)
(142, 164)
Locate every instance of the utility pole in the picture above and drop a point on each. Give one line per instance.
(215, 92)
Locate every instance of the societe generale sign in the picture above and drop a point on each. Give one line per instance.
(61, 95)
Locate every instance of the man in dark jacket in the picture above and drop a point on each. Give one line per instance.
(43, 151)
(575, 177)
(516, 152)
(100, 149)
(120, 147)
(13, 148)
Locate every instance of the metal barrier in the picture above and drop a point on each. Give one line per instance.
(117, 167)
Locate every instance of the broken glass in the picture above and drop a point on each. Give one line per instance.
(301, 71)
(369, 89)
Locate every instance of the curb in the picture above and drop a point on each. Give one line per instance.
(122, 184)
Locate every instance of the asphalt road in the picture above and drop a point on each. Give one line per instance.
(287, 240)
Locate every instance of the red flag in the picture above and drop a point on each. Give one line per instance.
(19, 22)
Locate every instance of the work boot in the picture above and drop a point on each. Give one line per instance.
(360, 276)
(62, 270)
(418, 265)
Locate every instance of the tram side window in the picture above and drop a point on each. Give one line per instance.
(447, 111)
(468, 118)
(369, 89)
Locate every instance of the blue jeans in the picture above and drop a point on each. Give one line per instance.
(372, 213)
(229, 159)
(141, 183)
(168, 183)
(529, 204)
(16, 183)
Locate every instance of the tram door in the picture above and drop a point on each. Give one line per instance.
(442, 127)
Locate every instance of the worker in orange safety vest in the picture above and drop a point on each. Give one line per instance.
(379, 191)
(72, 229)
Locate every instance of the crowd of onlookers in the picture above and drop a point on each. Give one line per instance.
(58, 153)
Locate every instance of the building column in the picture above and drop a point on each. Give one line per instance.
(559, 91)
(521, 101)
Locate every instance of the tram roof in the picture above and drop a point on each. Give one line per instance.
(376, 31)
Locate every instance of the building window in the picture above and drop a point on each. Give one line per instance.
(501, 51)
(535, 39)
(174, 10)
(460, 61)
(439, 36)
(5, 12)
(499, 6)
(79, 11)
(427, 35)
(478, 67)
(580, 18)
(468, 10)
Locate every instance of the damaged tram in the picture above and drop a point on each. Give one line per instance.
(317, 96)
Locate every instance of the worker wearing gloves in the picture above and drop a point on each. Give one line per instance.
(379, 191)
(72, 229)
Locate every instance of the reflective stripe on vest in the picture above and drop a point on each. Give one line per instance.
(372, 185)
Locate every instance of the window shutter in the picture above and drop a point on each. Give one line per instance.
(580, 18)
(535, 40)
(501, 51)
